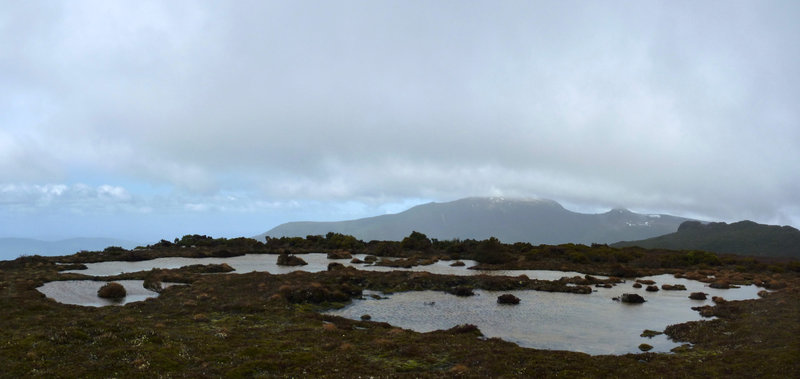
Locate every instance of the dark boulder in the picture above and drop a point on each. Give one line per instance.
(652, 289)
(631, 298)
(673, 287)
(507, 299)
(457, 264)
(290, 260)
(637, 285)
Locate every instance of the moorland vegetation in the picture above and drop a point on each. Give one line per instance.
(261, 324)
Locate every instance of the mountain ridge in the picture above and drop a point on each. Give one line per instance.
(743, 237)
(538, 221)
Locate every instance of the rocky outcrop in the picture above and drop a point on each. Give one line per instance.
(631, 298)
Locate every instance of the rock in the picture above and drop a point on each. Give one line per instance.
(763, 293)
(366, 317)
(112, 290)
(646, 281)
(673, 287)
(290, 260)
(645, 347)
(603, 285)
(652, 289)
(697, 296)
(719, 300)
(370, 259)
(356, 261)
(631, 298)
(637, 285)
(507, 299)
(457, 264)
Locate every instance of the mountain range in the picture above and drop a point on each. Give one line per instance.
(743, 237)
(537, 221)
(11, 248)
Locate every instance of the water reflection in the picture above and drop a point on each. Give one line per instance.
(316, 262)
(84, 292)
(592, 323)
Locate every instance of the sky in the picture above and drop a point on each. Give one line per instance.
(145, 120)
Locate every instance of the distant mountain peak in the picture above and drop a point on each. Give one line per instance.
(534, 220)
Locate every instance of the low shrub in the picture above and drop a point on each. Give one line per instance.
(112, 290)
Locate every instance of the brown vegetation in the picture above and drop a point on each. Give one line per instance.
(112, 290)
(258, 324)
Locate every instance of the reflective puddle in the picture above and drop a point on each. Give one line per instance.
(316, 262)
(84, 292)
(593, 324)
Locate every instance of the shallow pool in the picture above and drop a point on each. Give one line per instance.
(593, 323)
(84, 292)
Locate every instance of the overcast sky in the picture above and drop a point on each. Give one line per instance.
(146, 120)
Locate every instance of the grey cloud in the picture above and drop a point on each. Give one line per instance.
(679, 107)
